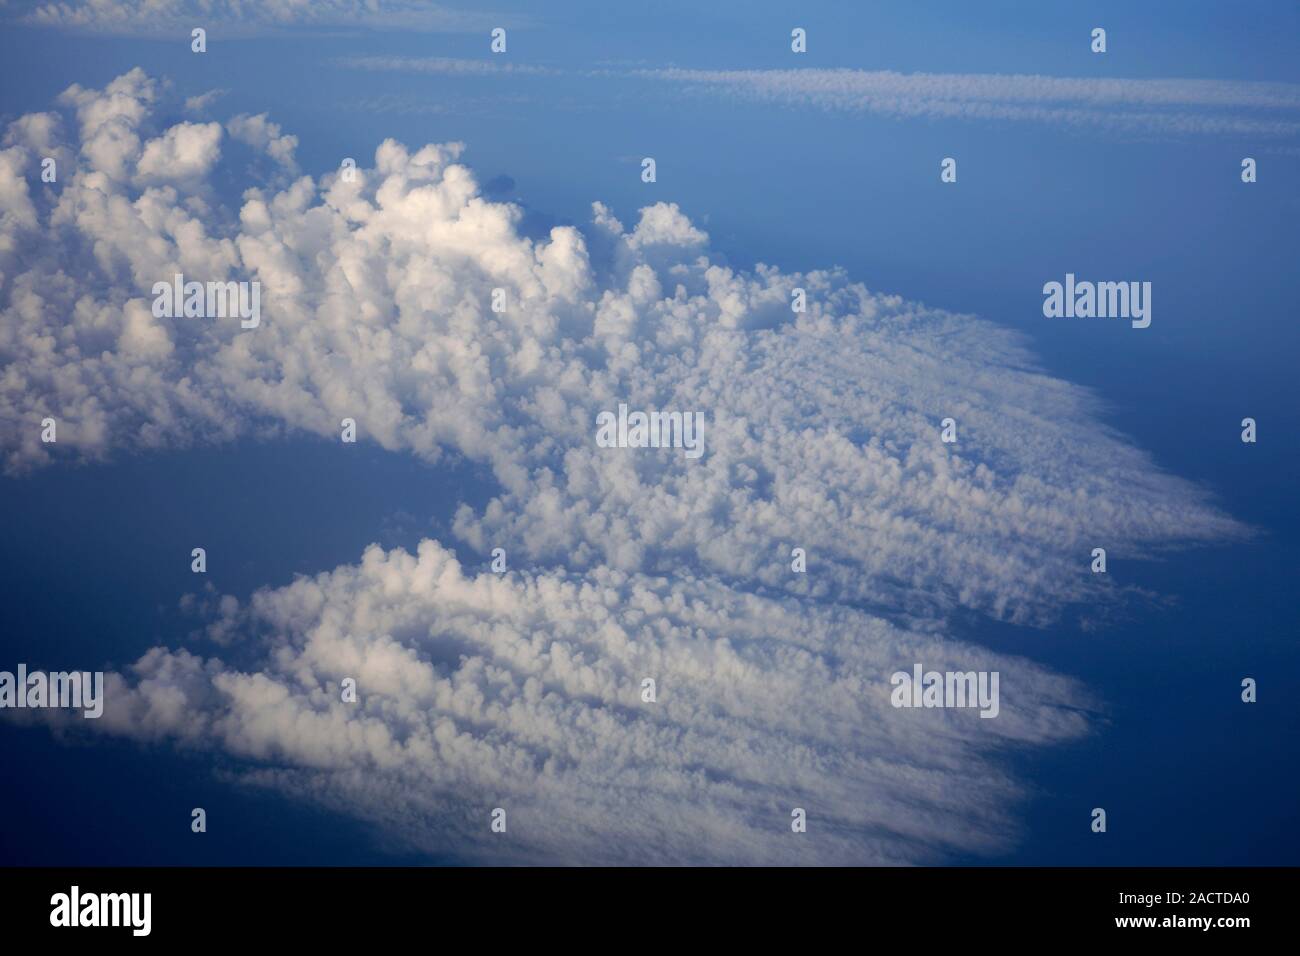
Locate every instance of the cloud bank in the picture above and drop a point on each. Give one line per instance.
(522, 691)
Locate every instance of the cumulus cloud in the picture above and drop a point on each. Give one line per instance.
(200, 103)
(1169, 106)
(186, 151)
(524, 692)
(265, 136)
(822, 432)
(822, 428)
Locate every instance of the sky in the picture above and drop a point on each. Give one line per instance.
(522, 171)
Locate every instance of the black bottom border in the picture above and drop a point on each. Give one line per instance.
(365, 904)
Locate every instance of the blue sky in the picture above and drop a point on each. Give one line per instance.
(96, 541)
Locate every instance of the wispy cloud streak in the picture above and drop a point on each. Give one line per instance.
(1156, 105)
(159, 17)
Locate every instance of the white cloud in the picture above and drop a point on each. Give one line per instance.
(442, 65)
(822, 429)
(186, 151)
(822, 433)
(233, 17)
(524, 692)
(40, 132)
(200, 103)
(1169, 106)
(266, 136)
(1131, 106)
(110, 120)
